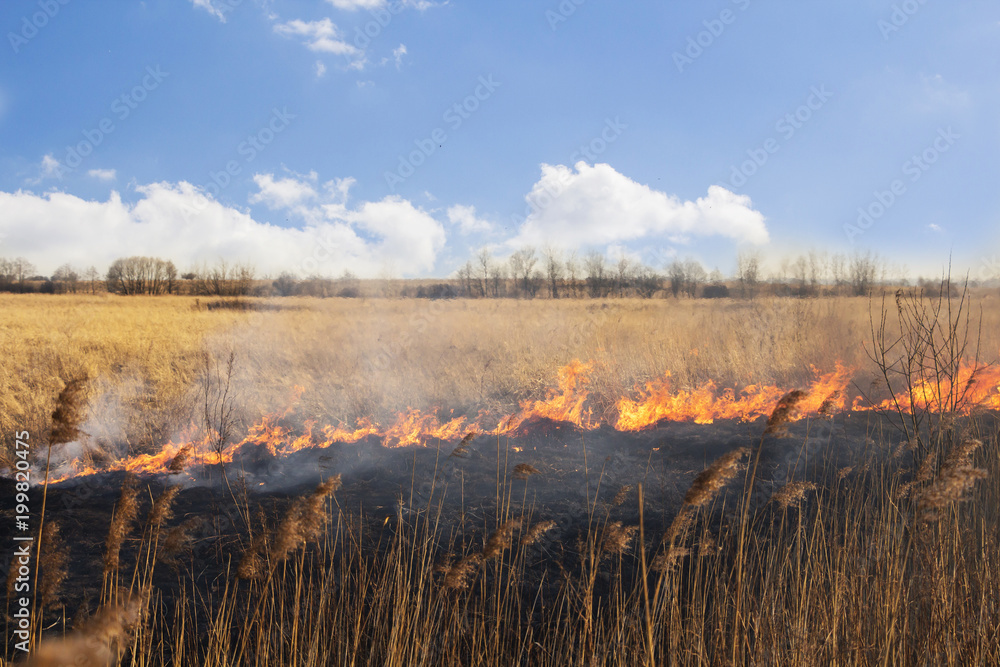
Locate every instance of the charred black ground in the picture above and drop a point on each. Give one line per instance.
(580, 475)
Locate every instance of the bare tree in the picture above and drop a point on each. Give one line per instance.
(522, 266)
(66, 278)
(141, 275)
(553, 271)
(91, 275)
(466, 279)
(748, 273)
(572, 273)
(863, 271)
(224, 279)
(647, 282)
(676, 275)
(623, 272)
(838, 271)
(694, 275)
(484, 261)
(594, 265)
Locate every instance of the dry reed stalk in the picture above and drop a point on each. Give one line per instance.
(55, 558)
(535, 533)
(177, 540)
(829, 405)
(251, 564)
(956, 477)
(162, 509)
(792, 494)
(524, 471)
(500, 539)
(713, 478)
(617, 537)
(97, 642)
(456, 574)
(68, 413)
(301, 524)
(462, 451)
(179, 462)
(786, 411)
(666, 561)
(126, 511)
(621, 496)
(704, 488)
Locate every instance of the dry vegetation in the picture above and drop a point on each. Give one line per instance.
(375, 358)
(892, 562)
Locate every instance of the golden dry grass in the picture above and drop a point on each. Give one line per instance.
(358, 358)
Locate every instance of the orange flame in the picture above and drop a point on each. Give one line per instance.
(703, 405)
(566, 403)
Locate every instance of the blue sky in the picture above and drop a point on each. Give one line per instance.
(707, 128)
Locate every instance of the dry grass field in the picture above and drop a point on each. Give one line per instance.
(890, 557)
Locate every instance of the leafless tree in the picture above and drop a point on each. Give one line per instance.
(623, 272)
(141, 275)
(484, 261)
(597, 280)
(66, 278)
(225, 279)
(553, 270)
(748, 273)
(864, 271)
(572, 273)
(91, 275)
(522, 267)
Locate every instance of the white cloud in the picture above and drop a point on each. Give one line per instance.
(281, 193)
(398, 54)
(597, 206)
(323, 37)
(320, 69)
(465, 218)
(103, 174)
(48, 168)
(178, 221)
(935, 228)
(209, 7)
(320, 35)
(352, 5)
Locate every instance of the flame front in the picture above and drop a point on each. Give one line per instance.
(657, 402)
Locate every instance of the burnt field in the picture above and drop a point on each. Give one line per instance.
(549, 472)
(260, 496)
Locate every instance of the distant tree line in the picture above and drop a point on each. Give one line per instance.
(526, 273)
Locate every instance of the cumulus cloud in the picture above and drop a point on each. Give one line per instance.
(597, 206)
(320, 69)
(209, 7)
(102, 174)
(48, 168)
(321, 36)
(465, 218)
(179, 221)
